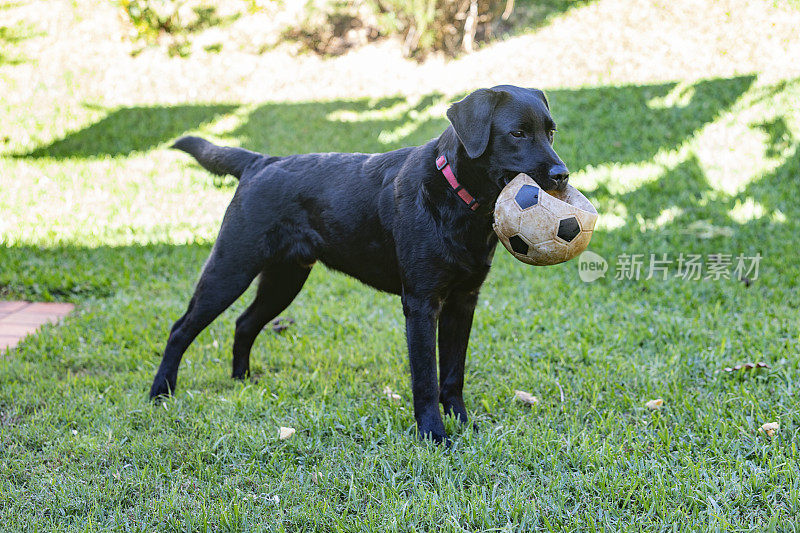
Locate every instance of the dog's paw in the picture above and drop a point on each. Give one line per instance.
(436, 438)
(456, 409)
(241, 374)
(161, 388)
(432, 428)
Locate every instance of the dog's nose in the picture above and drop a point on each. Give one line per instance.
(559, 173)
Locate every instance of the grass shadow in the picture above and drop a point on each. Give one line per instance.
(67, 272)
(681, 212)
(682, 187)
(778, 134)
(597, 125)
(131, 129)
(362, 125)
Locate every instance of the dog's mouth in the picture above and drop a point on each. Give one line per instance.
(507, 177)
(548, 184)
(553, 185)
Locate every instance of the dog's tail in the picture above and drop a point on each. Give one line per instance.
(219, 160)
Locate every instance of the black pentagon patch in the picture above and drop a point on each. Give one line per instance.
(568, 229)
(518, 245)
(527, 196)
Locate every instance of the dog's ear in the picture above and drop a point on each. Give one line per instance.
(542, 97)
(472, 119)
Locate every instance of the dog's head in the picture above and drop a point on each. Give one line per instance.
(511, 130)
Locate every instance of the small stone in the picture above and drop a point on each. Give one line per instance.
(285, 433)
(281, 324)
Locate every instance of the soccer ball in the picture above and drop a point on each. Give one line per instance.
(541, 228)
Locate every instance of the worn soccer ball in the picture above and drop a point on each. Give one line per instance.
(543, 228)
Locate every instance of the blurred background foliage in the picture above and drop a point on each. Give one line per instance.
(331, 27)
(449, 26)
(172, 23)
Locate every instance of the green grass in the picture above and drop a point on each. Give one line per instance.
(94, 210)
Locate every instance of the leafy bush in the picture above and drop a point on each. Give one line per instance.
(332, 26)
(328, 26)
(444, 25)
(172, 22)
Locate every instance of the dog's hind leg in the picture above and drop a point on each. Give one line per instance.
(225, 277)
(278, 286)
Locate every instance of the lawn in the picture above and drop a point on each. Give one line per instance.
(95, 210)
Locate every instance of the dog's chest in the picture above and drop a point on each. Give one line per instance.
(471, 254)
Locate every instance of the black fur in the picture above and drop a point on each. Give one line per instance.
(389, 220)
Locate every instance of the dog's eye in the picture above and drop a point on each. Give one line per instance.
(551, 134)
(518, 134)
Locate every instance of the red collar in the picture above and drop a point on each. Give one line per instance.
(444, 166)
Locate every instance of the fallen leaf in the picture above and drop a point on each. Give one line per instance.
(746, 366)
(525, 397)
(316, 477)
(391, 395)
(285, 433)
(281, 324)
(654, 404)
(769, 428)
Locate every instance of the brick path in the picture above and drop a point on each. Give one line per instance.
(20, 319)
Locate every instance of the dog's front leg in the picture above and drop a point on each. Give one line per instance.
(455, 323)
(421, 314)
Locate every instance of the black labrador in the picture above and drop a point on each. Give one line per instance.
(416, 222)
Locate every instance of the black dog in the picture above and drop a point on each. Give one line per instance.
(416, 222)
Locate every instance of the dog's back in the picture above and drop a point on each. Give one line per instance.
(337, 208)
